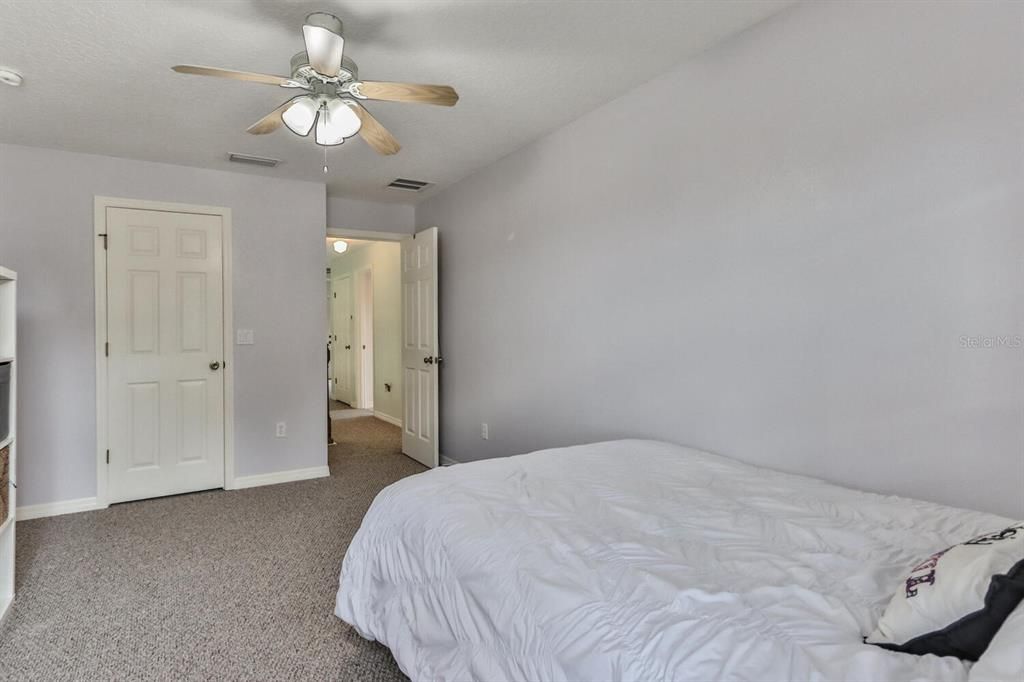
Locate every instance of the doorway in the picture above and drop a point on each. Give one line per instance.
(365, 329)
(163, 362)
(384, 338)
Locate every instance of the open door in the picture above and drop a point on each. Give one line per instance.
(420, 357)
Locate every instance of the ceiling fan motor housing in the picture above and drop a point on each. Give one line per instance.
(302, 70)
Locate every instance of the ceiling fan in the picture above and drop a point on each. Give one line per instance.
(331, 91)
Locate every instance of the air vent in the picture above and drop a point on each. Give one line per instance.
(254, 160)
(408, 185)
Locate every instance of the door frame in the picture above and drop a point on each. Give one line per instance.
(100, 287)
(369, 235)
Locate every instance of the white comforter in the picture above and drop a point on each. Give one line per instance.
(638, 560)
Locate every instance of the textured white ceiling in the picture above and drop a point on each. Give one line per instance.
(98, 79)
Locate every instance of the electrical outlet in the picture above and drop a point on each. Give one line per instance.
(282, 429)
(483, 431)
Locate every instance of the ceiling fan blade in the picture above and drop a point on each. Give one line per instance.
(376, 135)
(270, 122)
(324, 43)
(443, 95)
(228, 73)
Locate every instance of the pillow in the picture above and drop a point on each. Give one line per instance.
(953, 602)
(1004, 658)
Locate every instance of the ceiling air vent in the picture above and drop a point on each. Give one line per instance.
(408, 185)
(254, 160)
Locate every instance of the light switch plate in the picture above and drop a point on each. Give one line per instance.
(243, 337)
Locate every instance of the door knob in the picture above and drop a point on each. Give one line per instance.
(215, 365)
(348, 347)
(428, 360)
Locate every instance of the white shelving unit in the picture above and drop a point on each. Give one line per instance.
(8, 352)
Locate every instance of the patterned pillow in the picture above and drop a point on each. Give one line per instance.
(953, 602)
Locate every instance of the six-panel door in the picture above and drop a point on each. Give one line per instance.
(165, 322)
(341, 319)
(419, 347)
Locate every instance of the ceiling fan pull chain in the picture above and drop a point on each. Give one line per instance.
(323, 115)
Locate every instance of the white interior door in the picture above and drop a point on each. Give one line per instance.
(165, 326)
(330, 337)
(420, 357)
(363, 342)
(344, 384)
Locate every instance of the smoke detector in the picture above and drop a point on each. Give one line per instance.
(9, 77)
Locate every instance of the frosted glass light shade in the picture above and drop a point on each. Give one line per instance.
(301, 115)
(338, 120)
(341, 246)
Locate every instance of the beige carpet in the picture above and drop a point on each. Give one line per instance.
(216, 585)
(340, 410)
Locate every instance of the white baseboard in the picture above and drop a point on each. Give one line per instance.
(447, 461)
(5, 606)
(38, 511)
(388, 418)
(82, 504)
(280, 477)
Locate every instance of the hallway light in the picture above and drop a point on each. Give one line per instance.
(341, 246)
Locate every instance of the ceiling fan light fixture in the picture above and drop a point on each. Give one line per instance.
(338, 121)
(333, 92)
(301, 115)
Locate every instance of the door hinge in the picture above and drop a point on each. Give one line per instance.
(106, 349)
(335, 294)
(108, 456)
(105, 238)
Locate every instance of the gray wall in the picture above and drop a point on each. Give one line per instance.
(356, 214)
(771, 252)
(46, 234)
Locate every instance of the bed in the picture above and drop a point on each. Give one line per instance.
(638, 560)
